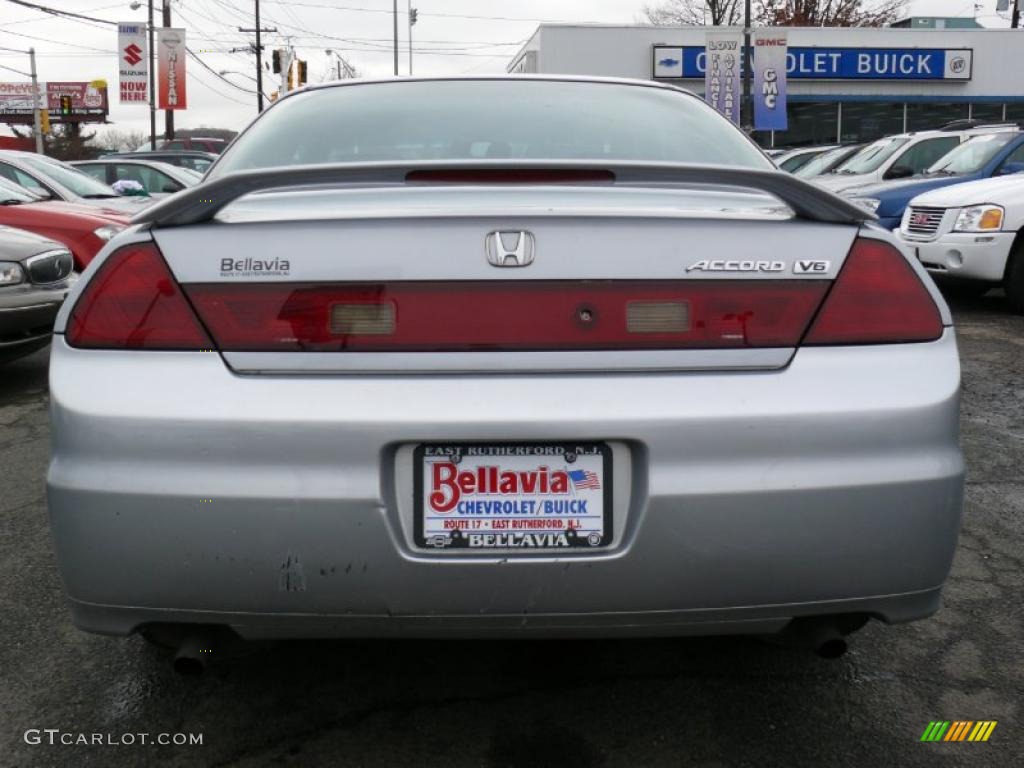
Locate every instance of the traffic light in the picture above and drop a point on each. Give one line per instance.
(301, 72)
(65, 106)
(277, 61)
(413, 14)
(44, 120)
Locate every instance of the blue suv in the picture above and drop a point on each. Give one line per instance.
(991, 154)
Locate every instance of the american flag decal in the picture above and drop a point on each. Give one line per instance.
(584, 479)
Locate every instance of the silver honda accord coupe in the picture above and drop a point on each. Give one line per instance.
(502, 356)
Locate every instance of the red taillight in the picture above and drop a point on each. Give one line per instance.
(133, 302)
(877, 299)
(507, 315)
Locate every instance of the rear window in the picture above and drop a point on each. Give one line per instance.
(489, 119)
(872, 156)
(973, 154)
(79, 183)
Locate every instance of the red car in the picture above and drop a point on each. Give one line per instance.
(84, 229)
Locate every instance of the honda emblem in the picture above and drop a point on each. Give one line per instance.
(509, 249)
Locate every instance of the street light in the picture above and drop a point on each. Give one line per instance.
(235, 72)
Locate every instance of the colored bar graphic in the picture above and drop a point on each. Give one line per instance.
(935, 730)
(958, 730)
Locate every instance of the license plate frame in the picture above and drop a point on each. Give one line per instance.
(538, 532)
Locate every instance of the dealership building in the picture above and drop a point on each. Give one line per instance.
(844, 84)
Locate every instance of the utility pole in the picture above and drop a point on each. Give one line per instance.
(259, 62)
(1015, 21)
(259, 56)
(168, 113)
(746, 116)
(396, 37)
(152, 83)
(412, 21)
(37, 129)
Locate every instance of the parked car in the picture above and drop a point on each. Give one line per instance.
(35, 276)
(993, 154)
(199, 143)
(794, 159)
(970, 236)
(56, 180)
(193, 160)
(84, 229)
(157, 178)
(827, 161)
(900, 156)
(406, 381)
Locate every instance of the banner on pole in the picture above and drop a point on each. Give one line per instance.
(170, 49)
(722, 73)
(769, 80)
(133, 61)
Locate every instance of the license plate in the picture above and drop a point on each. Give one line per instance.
(523, 496)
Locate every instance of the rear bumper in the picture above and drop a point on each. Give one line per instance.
(179, 491)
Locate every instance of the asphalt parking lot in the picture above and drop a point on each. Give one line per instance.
(699, 702)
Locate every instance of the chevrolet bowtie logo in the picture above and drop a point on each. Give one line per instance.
(132, 54)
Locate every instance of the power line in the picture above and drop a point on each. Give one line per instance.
(55, 12)
(82, 17)
(57, 42)
(87, 10)
(12, 69)
(215, 72)
(221, 94)
(357, 9)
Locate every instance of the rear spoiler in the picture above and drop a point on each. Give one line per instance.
(202, 203)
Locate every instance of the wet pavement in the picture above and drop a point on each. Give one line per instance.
(695, 702)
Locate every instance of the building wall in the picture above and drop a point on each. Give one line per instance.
(626, 52)
(820, 111)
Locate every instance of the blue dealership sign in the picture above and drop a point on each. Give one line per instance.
(807, 63)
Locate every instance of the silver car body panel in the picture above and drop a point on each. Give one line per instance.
(180, 490)
(550, 200)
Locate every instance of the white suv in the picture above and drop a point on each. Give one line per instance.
(971, 236)
(899, 156)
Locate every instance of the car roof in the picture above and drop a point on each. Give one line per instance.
(107, 159)
(156, 156)
(309, 87)
(163, 152)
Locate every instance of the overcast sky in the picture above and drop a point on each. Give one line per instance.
(451, 37)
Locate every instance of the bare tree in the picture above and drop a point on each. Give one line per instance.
(829, 13)
(779, 13)
(682, 13)
(123, 140)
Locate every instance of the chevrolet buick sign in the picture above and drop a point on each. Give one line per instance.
(687, 62)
